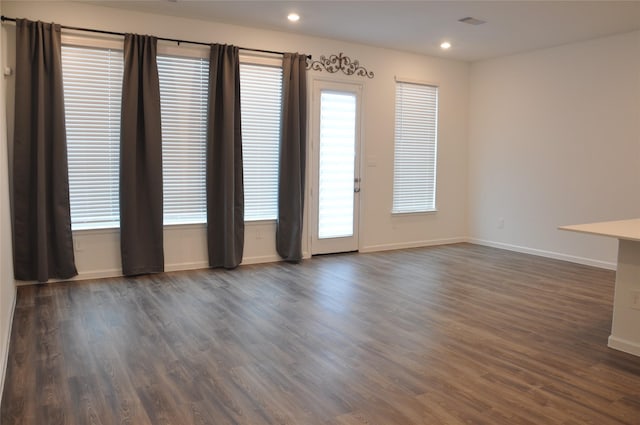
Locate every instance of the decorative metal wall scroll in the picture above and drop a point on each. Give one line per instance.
(335, 63)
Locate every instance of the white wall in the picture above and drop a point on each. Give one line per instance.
(97, 253)
(7, 284)
(555, 139)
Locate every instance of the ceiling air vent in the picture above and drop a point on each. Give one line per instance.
(471, 21)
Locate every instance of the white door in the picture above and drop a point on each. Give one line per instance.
(336, 167)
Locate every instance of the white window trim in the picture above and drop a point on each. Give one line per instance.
(261, 59)
(433, 210)
(186, 50)
(183, 106)
(415, 213)
(77, 44)
(261, 181)
(170, 49)
(408, 80)
(94, 41)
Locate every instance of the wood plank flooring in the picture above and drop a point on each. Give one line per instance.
(457, 334)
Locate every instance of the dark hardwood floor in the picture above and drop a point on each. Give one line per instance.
(457, 334)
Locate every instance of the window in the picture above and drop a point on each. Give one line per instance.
(183, 99)
(183, 94)
(261, 103)
(414, 174)
(92, 80)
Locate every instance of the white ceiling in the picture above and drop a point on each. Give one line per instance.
(420, 26)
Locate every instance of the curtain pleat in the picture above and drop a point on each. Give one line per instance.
(225, 191)
(43, 242)
(141, 231)
(293, 154)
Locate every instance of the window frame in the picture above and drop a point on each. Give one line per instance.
(175, 219)
(267, 60)
(436, 111)
(93, 42)
(165, 49)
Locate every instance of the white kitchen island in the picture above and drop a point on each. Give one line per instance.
(625, 327)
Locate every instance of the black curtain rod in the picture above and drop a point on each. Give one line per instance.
(173, 40)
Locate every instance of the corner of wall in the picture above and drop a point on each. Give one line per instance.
(536, 157)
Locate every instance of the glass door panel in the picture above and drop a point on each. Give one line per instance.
(337, 164)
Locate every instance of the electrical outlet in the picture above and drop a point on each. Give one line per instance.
(635, 299)
(258, 234)
(501, 223)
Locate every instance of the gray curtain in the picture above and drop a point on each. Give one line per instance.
(141, 239)
(293, 154)
(43, 244)
(225, 191)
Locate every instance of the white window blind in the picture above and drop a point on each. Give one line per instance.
(92, 87)
(92, 81)
(261, 103)
(414, 175)
(183, 99)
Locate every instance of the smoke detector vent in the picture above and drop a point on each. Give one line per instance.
(471, 21)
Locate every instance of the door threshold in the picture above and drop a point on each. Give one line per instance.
(335, 253)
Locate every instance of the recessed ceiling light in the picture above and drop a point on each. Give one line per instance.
(445, 45)
(293, 17)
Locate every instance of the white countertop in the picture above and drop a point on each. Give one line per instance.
(621, 229)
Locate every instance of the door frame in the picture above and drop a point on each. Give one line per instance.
(316, 84)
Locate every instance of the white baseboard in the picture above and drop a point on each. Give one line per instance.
(5, 355)
(177, 267)
(107, 273)
(543, 253)
(624, 345)
(196, 265)
(413, 244)
(261, 259)
(94, 274)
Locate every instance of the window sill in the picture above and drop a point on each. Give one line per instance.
(104, 226)
(416, 213)
(106, 229)
(179, 226)
(260, 222)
